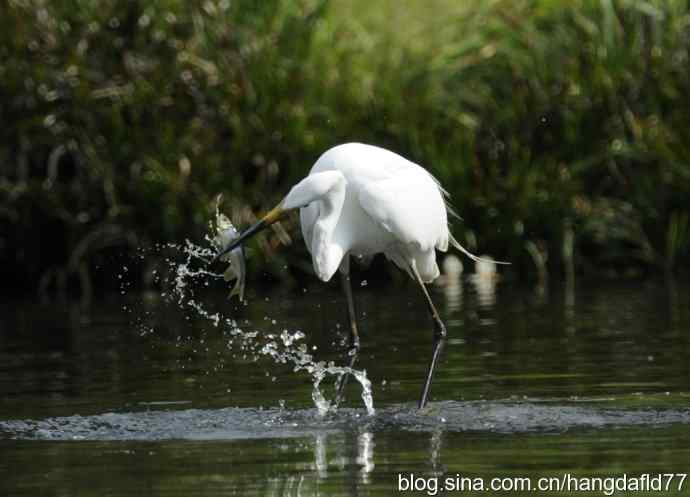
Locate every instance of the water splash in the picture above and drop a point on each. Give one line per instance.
(288, 347)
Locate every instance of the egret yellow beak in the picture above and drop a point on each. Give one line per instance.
(271, 217)
(274, 214)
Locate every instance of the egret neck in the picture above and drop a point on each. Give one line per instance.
(327, 190)
(327, 253)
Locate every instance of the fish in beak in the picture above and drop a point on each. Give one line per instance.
(225, 235)
(274, 215)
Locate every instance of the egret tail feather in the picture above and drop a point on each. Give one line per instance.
(469, 254)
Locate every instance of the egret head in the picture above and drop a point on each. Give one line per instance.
(314, 187)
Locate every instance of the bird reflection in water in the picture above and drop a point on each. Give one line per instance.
(357, 449)
(352, 457)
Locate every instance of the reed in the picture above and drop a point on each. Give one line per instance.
(551, 123)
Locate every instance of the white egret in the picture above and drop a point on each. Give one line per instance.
(360, 200)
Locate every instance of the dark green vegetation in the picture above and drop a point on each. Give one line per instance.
(560, 128)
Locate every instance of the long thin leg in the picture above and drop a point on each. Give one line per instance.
(352, 317)
(354, 334)
(439, 339)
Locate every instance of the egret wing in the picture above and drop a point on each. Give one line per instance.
(410, 206)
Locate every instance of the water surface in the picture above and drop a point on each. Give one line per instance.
(133, 396)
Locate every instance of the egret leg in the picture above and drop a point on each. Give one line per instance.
(439, 339)
(353, 350)
(352, 317)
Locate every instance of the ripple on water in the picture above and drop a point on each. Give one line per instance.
(250, 423)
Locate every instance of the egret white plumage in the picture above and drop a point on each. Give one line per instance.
(360, 200)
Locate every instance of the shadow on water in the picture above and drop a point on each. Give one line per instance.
(135, 397)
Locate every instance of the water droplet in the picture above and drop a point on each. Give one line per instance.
(286, 348)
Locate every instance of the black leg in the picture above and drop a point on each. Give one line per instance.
(352, 317)
(353, 350)
(439, 339)
(439, 342)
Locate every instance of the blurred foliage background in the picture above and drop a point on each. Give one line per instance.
(561, 129)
